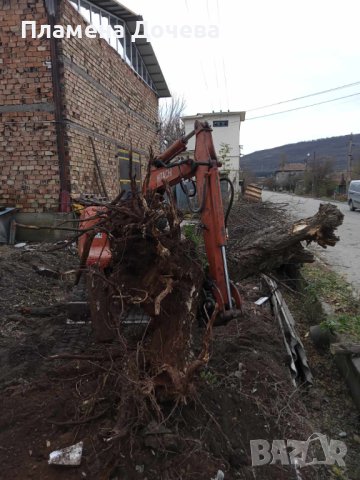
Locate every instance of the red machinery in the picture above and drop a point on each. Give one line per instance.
(205, 168)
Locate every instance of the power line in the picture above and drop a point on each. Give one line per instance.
(217, 81)
(207, 9)
(305, 96)
(304, 106)
(226, 87)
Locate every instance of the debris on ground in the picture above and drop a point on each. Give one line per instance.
(232, 385)
(68, 456)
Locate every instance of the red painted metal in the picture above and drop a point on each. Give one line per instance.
(172, 176)
(205, 167)
(99, 253)
(206, 170)
(212, 214)
(175, 149)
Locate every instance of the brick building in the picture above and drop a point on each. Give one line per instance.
(60, 95)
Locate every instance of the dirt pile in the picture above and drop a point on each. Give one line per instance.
(243, 394)
(24, 339)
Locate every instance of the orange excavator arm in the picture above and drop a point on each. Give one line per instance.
(205, 168)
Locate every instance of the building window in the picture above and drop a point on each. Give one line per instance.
(220, 123)
(106, 22)
(85, 10)
(124, 169)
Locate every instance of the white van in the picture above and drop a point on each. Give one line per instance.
(354, 195)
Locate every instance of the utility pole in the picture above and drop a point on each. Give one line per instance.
(313, 176)
(349, 163)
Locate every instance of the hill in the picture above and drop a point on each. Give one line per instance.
(265, 162)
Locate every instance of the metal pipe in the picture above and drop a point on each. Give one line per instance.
(188, 136)
(175, 149)
(227, 280)
(64, 179)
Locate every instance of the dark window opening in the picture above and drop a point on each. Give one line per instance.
(124, 169)
(220, 123)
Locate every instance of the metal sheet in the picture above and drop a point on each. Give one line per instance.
(299, 366)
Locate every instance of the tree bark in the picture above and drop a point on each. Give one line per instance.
(267, 248)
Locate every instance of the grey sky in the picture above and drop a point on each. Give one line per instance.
(266, 51)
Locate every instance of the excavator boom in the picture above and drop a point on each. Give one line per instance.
(205, 169)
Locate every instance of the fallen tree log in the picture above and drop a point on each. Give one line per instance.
(270, 241)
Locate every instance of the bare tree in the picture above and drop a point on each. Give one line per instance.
(283, 161)
(317, 181)
(356, 168)
(248, 176)
(171, 125)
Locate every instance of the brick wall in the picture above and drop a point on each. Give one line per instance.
(29, 171)
(104, 99)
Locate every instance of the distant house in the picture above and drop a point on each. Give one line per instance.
(289, 174)
(226, 131)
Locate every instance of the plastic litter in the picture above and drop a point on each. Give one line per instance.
(68, 456)
(219, 476)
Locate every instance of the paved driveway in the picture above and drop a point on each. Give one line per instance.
(345, 256)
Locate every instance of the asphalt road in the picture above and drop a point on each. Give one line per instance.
(344, 258)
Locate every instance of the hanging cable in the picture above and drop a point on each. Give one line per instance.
(300, 108)
(304, 96)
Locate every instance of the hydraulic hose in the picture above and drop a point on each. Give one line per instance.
(200, 208)
(232, 195)
(186, 190)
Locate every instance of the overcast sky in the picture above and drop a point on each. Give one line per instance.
(266, 52)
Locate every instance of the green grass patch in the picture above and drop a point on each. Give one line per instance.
(191, 232)
(323, 283)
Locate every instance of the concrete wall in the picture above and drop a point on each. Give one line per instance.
(43, 220)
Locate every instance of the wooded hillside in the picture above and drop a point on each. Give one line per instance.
(264, 162)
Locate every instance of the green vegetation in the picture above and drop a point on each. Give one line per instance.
(191, 232)
(334, 290)
(265, 162)
(347, 324)
(209, 377)
(224, 155)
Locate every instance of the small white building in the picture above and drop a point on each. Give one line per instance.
(226, 137)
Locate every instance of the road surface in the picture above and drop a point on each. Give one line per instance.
(344, 258)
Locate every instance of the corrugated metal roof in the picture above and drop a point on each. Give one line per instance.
(145, 48)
